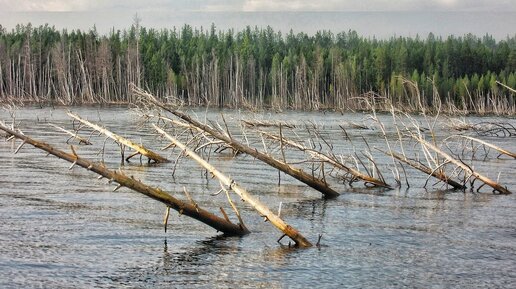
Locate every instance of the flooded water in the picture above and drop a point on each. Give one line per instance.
(64, 228)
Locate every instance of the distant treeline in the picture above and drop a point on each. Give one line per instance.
(258, 68)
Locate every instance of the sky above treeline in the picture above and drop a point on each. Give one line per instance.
(379, 18)
(258, 5)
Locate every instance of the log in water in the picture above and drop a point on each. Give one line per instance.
(54, 235)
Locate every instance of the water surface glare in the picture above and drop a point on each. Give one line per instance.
(65, 228)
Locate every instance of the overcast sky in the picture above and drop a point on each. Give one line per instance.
(257, 5)
(381, 18)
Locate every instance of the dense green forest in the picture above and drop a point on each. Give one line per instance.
(258, 68)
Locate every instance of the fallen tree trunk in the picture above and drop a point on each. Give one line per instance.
(185, 208)
(264, 123)
(499, 149)
(287, 169)
(419, 166)
(231, 184)
(138, 148)
(355, 173)
(496, 187)
(72, 135)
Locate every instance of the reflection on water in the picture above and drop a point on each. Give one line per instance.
(67, 229)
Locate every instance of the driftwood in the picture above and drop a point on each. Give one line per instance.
(497, 129)
(185, 208)
(72, 135)
(458, 124)
(238, 146)
(232, 185)
(421, 167)
(314, 153)
(355, 125)
(123, 141)
(496, 187)
(266, 123)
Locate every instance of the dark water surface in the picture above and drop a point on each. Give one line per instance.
(63, 228)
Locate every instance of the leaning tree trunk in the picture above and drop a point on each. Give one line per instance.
(255, 203)
(316, 154)
(185, 208)
(496, 186)
(121, 140)
(419, 166)
(294, 172)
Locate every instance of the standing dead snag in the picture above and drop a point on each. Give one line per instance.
(138, 148)
(238, 146)
(185, 208)
(232, 185)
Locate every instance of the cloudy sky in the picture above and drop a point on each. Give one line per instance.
(257, 5)
(370, 17)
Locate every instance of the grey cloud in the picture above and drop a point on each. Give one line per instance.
(257, 5)
(379, 5)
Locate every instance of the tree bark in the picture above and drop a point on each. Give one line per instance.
(294, 172)
(140, 149)
(434, 173)
(355, 173)
(185, 208)
(231, 184)
(484, 179)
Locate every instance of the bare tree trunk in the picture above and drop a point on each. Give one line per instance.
(138, 148)
(496, 187)
(185, 208)
(294, 172)
(231, 184)
(355, 173)
(419, 166)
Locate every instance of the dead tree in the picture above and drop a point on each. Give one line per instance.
(496, 187)
(246, 196)
(73, 135)
(436, 173)
(265, 123)
(123, 141)
(355, 173)
(497, 148)
(238, 146)
(186, 208)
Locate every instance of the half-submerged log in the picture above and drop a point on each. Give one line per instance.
(121, 140)
(316, 154)
(496, 187)
(232, 185)
(421, 167)
(298, 174)
(266, 123)
(185, 208)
